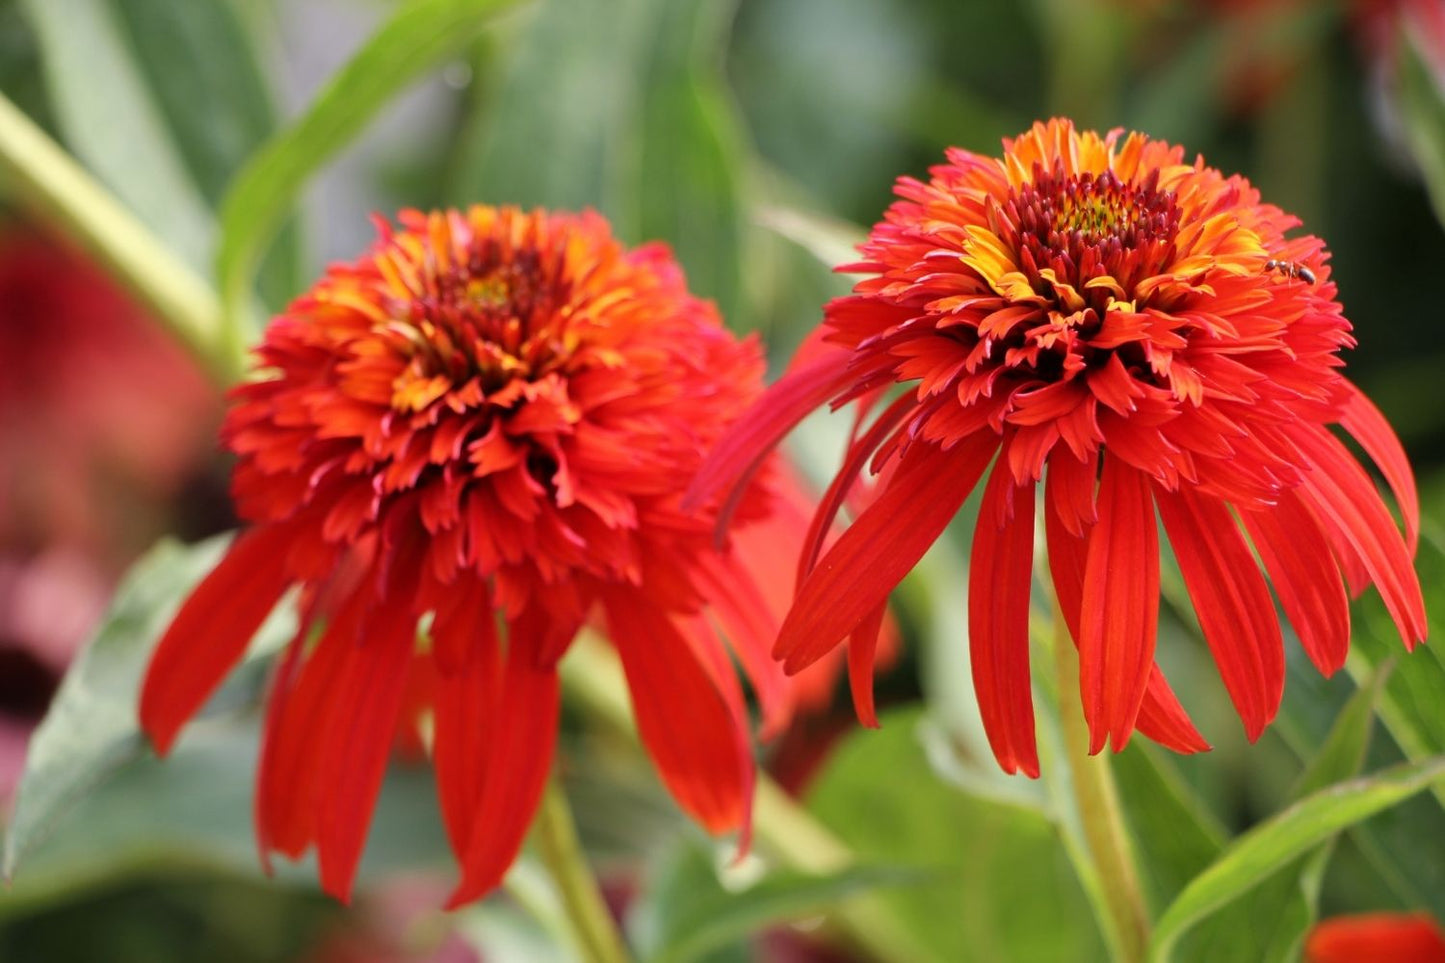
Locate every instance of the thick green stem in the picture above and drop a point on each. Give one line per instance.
(783, 829)
(45, 178)
(1097, 800)
(592, 923)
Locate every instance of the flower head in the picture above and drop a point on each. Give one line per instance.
(489, 419)
(1139, 333)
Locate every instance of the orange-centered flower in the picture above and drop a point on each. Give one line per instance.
(1139, 333)
(487, 420)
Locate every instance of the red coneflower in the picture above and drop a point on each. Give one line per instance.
(489, 419)
(1143, 328)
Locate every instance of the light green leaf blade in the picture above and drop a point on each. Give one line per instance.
(111, 121)
(417, 36)
(689, 913)
(1422, 106)
(1256, 854)
(91, 729)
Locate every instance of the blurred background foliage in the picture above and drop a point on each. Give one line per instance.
(760, 138)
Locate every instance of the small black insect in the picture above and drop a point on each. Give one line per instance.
(1291, 269)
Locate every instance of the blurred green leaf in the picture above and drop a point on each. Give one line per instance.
(1422, 108)
(638, 124)
(109, 116)
(1000, 887)
(91, 729)
(416, 37)
(1253, 856)
(688, 911)
(1271, 922)
(1180, 835)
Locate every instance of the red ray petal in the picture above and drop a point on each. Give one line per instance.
(1232, 601)
(512, 771)
(881, 546)
(745, 615)
(1297, 557)
(211, 631)
(999, 574)
(468, 699)
(1363, 420)
(683, 716)
(366, 708)
(1344, 498)
(1161, 717)
(298, 718)
(759, 429)
(862, 655)
(1120, 609)
(847, 476)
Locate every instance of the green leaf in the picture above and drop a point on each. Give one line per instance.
(111, 122)
(1183, 836)
(1253, 856)
(91, 729)
(416, 37)
(1000, 886)
(689, 911)
(1422, 108)
(621, 107)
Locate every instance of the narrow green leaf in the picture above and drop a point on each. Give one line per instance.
(1422, 106)
(111, 121)
(91, 729)
(1253, 856)
(416, 37)
(689, 912)
(638, 125)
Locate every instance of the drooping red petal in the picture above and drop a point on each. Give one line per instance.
(999, 574)
(1161, 717)
(862, 659)
(833, 499)
(517, 759)
(750, 626)
(1364, 421)
(367, 703)
(211, 631)
(1232, 601)
(1297, 557)
(1120, 609)
(468, 698)
(298, 719)
(1164, 720)
(683, 716)
(1342, 497)
(757, 432)
(881, 546)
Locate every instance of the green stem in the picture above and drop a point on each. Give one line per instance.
(46, 178)
(1097, 800)
(783, 829)
(592, 923)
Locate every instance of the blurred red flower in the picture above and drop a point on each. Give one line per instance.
(489, 419)
(1144, 328)
(102, 420)
(1376, 938)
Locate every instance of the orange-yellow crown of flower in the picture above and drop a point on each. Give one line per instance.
(1092, 291)
(530, 390)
